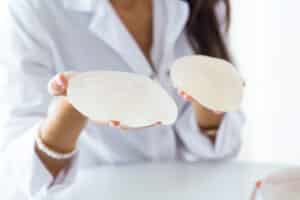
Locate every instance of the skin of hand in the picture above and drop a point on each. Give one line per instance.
(62, 127)
(208, 120)
(58, 87)
(189, 98)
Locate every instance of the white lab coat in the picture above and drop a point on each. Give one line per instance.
(46, 37)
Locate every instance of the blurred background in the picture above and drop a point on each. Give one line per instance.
(265, 42)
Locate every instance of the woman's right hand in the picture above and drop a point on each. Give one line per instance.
(58, 87)
(62, 127)
(64, 123)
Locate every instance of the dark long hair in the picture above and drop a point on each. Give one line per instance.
(204, 28)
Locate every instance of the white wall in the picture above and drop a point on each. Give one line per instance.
(265, 39)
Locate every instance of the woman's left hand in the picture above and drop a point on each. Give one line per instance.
(208, 120)
(189, 98)
(117, 124)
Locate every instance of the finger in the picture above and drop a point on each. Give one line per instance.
(180, 92)
(184, 95)
(57, 85)
(54, 89)
(152, 125)
(61, 81)
(114, 123)
(65, 78)
(137, 128)
(258, 184)
(158, 123)
(188, 98)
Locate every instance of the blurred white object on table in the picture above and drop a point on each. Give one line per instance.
(283, 185)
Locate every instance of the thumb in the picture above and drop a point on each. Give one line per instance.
(58, 85)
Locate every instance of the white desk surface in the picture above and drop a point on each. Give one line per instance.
(175, 181)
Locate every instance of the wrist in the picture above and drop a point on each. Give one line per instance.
(53, 152)
(62, 127)
(57, 142)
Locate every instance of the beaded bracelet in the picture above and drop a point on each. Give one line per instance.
(49, 152)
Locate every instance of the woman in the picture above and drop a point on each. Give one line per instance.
(48, 42)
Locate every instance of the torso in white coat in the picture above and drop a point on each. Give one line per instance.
(47, 37)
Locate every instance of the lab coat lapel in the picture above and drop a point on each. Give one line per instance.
(106, 25)
(177, 15)
(118, 38)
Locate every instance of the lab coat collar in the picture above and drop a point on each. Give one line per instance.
(177, 16)
(119, 39)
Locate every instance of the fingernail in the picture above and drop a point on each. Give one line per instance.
(189, 98)
(185, 97)
(258, 184)
(60, 82)
(114, 123)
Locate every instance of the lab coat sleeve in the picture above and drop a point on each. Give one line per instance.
(25, 69)
(195, 145)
